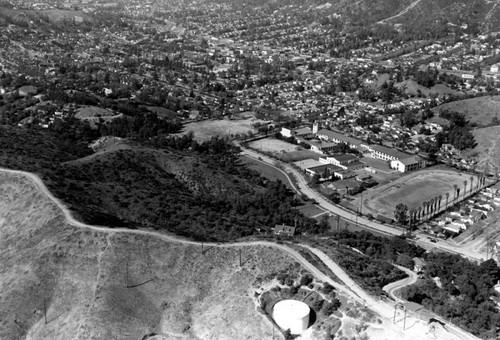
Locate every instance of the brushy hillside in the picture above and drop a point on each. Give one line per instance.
(206, 194)
(481, 111)
(412, 14)
(82, 277)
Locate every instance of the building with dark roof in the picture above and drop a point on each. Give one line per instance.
(387, 154)
(336, 137)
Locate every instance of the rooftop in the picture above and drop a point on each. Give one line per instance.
(391, 152)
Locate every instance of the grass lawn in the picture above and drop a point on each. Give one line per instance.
(412, 190)
(310, 210)
(265, 170)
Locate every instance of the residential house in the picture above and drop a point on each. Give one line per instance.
(452, 228)
(282, 229)
(418, 264)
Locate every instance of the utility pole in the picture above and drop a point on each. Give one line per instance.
(44, 310)
(404, 321)
(240, 257)
(202, 247)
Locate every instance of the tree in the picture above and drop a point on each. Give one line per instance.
(401, 214)
(305, 280)
(314, 180)
(331, 307)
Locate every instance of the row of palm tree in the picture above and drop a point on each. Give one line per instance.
(433, 206)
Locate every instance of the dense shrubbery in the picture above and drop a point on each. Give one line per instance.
(194, 189)
(377, 247)
(460, 291)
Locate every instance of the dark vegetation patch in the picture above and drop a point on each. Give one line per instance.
(174, 184)
(460, 291)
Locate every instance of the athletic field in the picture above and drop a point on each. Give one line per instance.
(413, 190)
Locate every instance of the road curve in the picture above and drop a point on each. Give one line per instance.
(391, 288)
(303, 188)
(355, 292)
(174, 239)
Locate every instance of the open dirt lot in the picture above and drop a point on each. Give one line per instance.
(412, 190)
(204, 130)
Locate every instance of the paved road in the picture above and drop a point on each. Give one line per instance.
(303, 188)
(351, 289)
(391, 288)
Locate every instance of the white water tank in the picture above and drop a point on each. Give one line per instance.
(292, 315)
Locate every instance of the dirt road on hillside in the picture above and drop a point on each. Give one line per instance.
(353, 291)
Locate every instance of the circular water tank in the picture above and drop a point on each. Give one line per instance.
(292, 315)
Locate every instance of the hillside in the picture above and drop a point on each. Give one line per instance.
(487, 150)
(195, 190)
(413, 14)
(58, 17)
(482, 111)
(82, 276)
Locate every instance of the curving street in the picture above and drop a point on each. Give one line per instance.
(392, 287)
(303, 188)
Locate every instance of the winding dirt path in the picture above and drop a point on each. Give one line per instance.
(404, 11)
(351, 289)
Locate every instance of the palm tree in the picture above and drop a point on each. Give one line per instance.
(440, 198)
(454, 191)
(410, 214)
(465, 187)
(471, 181)
(447, 197)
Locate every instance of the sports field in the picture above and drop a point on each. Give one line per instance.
(414, 189)
(285, 151)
